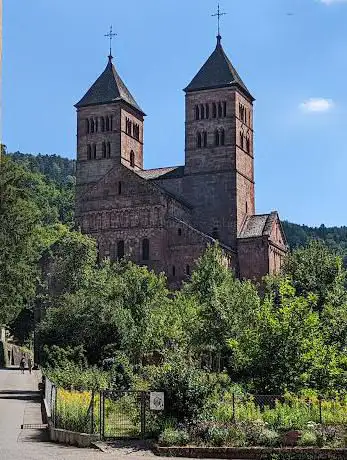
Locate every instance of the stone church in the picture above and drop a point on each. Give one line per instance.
(164, 218)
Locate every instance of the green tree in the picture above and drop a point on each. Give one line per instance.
(19, 217)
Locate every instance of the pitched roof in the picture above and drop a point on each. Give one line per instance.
(217, 72)
(260, 225)
(162, 173)
(109, 87)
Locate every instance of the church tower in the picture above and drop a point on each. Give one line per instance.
(109, 129)
(219, 154)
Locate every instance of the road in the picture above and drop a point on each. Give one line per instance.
(19, 404)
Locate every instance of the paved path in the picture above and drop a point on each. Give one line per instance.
(19, 404)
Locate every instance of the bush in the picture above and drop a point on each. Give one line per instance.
(73, 377)
(308, 438)
(122, 377)
(257, 434)
(172, 437)
(225, 436)
(186, 390)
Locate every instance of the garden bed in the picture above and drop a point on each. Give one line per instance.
(250, 453)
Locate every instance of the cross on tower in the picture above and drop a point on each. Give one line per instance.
(219, 14)
(110, 35)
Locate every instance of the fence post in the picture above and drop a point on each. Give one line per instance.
(234, 414)
(55, 406)
(143, 414)
(101, 414)
(92, 414)
(320, 409)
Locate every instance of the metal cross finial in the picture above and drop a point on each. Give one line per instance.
(110, 35)
(218, 14)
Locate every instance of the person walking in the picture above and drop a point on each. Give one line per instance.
(22, 364)
(30, 364)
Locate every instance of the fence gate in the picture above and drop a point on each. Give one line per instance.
(123, 414)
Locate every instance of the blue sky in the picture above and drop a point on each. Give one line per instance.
(292, 54)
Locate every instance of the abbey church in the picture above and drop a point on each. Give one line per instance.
(164, 218)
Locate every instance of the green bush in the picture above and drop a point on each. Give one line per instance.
(218, 436)
(258, 434)
(308, 438)
(73, 377)
(172, 437)
(186, 390)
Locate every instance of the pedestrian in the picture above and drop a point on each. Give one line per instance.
(30, 364)
(22, 364)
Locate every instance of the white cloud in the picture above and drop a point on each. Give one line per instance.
(318, 104)
(330, 2)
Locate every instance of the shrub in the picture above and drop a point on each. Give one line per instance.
(72, 377)
(172, 437)
(122, 377)
(186, 390)
(217, 436)
(308, 438)
(257, 434)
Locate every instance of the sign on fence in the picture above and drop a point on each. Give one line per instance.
(156, 400)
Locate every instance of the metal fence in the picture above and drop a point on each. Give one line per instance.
(126, 414)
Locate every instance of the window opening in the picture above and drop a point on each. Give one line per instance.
(216, 137)
(214, 110)
(119, 188)
(145, 249)
(224, 109)
(198, 140)
(120, 250)
(132, 159)
(173, 270)
(207, 110)
(197, 112)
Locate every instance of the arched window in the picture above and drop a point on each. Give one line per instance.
(173, 270)
(120, 250)
(111, 123)
(103, 150)
(96, 125)
(188, 270)
(89, 152)
(179, 232)
(102, 120)
(241, 139)
(108, 149)
(119, 188)
(222, 137)
(202, 111)
(248, 144)
(107, 123)
(92, 126)
(216, 137)
(198, 140)
(205, 138)
(197, 112)
(214, 110)
(224, 109)
(207, 110)
(87, 126)
(132, 159)
(215, 233)
(145, 249)
(246, 207)
(94, 151)
(220, 110)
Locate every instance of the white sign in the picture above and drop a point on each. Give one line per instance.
(156, 400)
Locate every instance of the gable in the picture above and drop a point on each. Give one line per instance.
(277, 234)
(122, 188)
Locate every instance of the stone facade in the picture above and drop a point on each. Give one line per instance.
(164, 218)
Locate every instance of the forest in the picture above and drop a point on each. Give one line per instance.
(117, 325)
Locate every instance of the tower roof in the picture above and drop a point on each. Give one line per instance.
(109, 87)
(217, 72)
